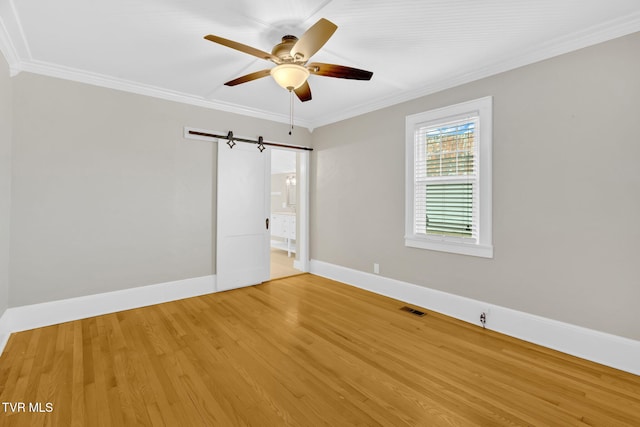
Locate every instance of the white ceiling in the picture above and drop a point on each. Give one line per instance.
(414, 47)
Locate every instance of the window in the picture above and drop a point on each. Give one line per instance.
(448, 183)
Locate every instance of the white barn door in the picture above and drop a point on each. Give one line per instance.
(242, 252)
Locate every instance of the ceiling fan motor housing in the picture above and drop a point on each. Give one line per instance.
(283, 49)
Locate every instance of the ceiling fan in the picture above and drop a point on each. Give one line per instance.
(291, 57)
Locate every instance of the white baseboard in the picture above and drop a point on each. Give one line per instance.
(606, 349)
(16, 319)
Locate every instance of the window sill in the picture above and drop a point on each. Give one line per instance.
(483, 251)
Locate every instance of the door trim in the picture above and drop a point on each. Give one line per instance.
(302, 263)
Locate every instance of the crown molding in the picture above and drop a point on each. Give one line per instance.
(23, 62)
(597, 34)
(101, 80)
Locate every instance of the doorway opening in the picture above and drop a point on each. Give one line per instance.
(286, 205)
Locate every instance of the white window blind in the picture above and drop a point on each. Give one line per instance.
(446, 179)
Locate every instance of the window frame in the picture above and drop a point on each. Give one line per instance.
(483, 247)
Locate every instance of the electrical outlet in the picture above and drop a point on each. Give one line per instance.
(483, 318)
(376, 268)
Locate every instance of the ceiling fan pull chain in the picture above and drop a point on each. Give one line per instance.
(291, 111)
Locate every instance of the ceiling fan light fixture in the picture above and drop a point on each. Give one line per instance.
(290, 76)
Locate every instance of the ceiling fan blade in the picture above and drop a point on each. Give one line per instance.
(304, 92)
(313, 39)
(339, 71)
(247, 78)
(243, 48)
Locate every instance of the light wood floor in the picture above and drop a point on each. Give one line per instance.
(301, 351)
(281, 264)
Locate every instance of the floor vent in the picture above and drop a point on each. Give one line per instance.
(413, 311)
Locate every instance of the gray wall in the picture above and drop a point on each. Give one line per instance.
(566, 192)
(5, 180)
(107, 194)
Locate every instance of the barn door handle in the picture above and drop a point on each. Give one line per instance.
(267, 223)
